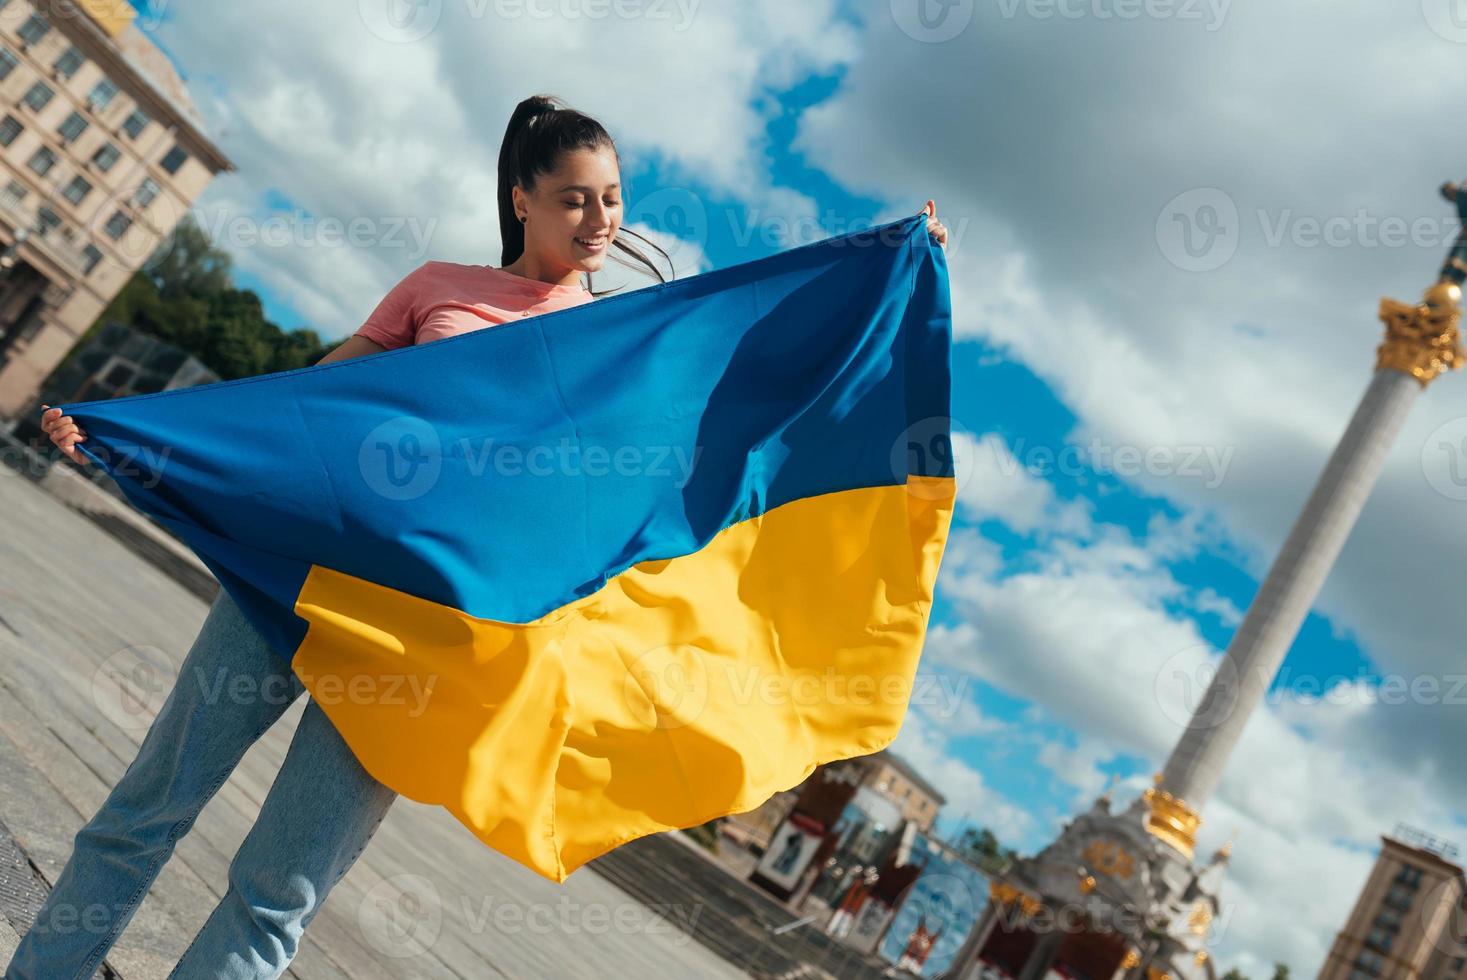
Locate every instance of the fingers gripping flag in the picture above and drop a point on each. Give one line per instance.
(607, 571)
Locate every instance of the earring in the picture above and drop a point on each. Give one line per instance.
(524, 218)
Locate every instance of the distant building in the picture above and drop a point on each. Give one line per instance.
(886, 773)
(1408, 920)
(121, 361)
(806, 837)
(101, 153)
(896, 779)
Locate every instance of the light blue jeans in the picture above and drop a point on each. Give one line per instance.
(317, 818)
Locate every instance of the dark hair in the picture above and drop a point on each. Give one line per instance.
(542, 128)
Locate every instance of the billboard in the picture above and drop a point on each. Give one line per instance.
(789, 853)
(936, 912)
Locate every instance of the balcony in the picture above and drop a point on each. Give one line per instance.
(50, 243)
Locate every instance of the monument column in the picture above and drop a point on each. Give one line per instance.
(1421, 342)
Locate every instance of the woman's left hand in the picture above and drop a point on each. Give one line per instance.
(934, 227)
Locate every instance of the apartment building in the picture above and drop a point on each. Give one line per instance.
(895, 778)
(1408, 921)
(886, 773)
(101, 153)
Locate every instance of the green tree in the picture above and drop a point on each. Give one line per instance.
(979, 845)
(184, 294)
(188, 264)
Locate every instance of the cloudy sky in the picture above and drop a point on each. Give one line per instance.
(1172, 222)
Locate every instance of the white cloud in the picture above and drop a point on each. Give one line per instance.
(925, 746)
(1208, 600)
(1078, 766)
(353, 121)
(994, 483)
(1054, 190)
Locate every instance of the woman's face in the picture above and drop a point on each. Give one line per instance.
(575, 211)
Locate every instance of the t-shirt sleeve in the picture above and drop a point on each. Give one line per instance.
(394, 323)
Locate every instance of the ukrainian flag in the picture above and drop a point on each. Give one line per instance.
(599, 573)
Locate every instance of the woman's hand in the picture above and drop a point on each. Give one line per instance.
(64, 433)
(934, 227)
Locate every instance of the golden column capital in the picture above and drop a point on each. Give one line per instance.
(1171, 819)
(1422, 339)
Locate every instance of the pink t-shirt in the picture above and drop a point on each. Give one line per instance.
(441, 299)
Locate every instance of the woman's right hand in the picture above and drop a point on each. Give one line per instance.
(64, 433)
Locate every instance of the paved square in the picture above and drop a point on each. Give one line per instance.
(89, 633)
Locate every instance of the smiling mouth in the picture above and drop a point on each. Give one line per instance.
(592, 244)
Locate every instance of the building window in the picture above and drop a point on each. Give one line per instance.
(147, 191)
(71, 59)
(102, 94)
(34, 29)
(42, 161)
(1409, 875)
(1399, 897)
(38, 95)
(94, 255)
(31, 326)
(47, 219)
(15, 192)
(1388, 918)
(173, 159)
(8, 62)
(74, 125)
(118, 375)
(78, 189)
(10, 128)
(105, 157)
(135, 123)
(117, 225)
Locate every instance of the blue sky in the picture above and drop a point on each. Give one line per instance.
(1063, 150)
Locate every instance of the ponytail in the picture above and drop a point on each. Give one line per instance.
(540, 130)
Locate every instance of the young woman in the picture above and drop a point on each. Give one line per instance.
(560, 215)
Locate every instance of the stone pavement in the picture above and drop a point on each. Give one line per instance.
(742, 923)
(88, 634)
